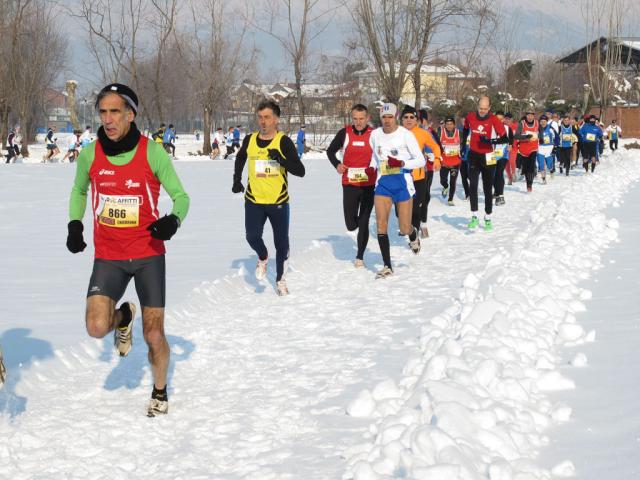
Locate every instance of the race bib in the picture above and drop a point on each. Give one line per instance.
(546, 139)
(357, 175)
(385, 169)
(267, 168)
(452, 150)
(567, 137)
(119, 211)
(492, 158)
(591, 137)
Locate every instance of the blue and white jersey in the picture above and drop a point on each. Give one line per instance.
(547, 140)
(567, 138)
(300, 138)
(613, 131)
(85, 138)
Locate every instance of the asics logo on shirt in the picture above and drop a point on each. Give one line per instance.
(106, 172)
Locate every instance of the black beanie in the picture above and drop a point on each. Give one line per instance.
(125, 92)
(409, 109)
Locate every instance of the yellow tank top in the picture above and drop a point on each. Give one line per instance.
(267, 178)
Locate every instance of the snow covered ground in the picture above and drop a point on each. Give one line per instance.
(466, 364)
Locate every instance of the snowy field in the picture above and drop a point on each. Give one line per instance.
(486, 356)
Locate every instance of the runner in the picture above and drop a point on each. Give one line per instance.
(485, 131)
(450, 140)
(301, 140)
(612, 132)
(591, 134)
(395, 153)
(72, 151)
(218, 140)
(229, 143)
(421, 179)
(510, 167)
(501, 151)
(125, 171)
(13, 150)
(547, 141)
(527, 136)
(358, 178)
(169, 140)
(158, 135)
(566, 143)
(85, 138)
(52, 147)
(271, 155)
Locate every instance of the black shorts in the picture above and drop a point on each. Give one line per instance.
(111, 277)
(589, 150)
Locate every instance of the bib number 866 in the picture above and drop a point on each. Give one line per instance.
(117, 213)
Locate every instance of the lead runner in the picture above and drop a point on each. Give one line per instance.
(125, 172)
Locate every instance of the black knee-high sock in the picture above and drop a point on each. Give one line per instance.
(383, 241)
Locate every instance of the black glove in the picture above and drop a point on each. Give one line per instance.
(237, 186)
(484, 139)
(164, 228)
(276, 155)
(75, 240)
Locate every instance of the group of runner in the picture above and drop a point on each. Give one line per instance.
(394, 164)
(386, 167)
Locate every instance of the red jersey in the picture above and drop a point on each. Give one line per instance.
(125, 202)
(527, 147)
(356, 156)
(450, 148)
(489, 127)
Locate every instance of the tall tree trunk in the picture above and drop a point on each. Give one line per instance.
(24, 131)
(4, 121)
(206, 131)
(417, 85)
(298, 74)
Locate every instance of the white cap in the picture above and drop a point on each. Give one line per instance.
(388, 109)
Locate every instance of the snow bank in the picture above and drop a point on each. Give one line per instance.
(473, 402)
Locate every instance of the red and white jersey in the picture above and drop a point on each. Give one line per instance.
(125, 202)
(450, 148)
(526, 148)
(489, 127)
(356, 156)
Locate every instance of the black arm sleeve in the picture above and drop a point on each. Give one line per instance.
(511, 136)
(463, 140)
(241, 159)
(291, 160)
(335, 147)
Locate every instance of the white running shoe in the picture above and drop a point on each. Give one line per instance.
(450, 203)
(281, 288)
(157, 407)
(424, 231)
(359, 263)
(3, 371)
(261, 268)
(384, 273)
(122, 335)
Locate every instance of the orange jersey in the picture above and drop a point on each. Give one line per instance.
(425, 140)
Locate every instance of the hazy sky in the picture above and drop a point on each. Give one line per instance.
(547, 26)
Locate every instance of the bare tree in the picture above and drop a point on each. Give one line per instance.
(604, 55)
(163, 18)
(304, 21)
(113, 28)
(428, 16)
(36, 56)
(387, 30)
(216, 56)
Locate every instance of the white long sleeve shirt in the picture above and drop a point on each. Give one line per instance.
(400, 144)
